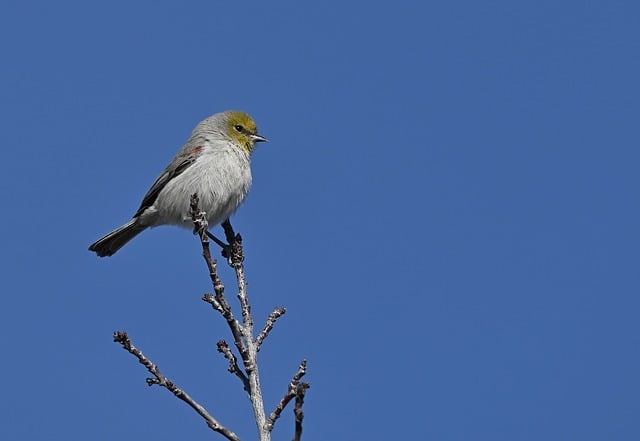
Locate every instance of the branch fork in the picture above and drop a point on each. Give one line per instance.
(243, 338)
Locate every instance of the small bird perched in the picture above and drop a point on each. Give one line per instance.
(214, 163)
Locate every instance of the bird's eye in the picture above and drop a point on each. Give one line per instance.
(238, 128)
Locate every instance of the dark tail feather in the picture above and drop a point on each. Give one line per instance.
(115, 240)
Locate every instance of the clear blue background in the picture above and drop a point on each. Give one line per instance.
(448, 208)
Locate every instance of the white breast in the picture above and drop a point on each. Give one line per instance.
(220, 176)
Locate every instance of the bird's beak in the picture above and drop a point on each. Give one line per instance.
(258, 138)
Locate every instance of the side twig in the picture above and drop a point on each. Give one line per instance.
(292, 392)
(271, 321)
(301, 390)
(223, 347)
(297, 410)
(161, 380)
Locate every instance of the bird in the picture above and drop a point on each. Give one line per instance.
(214, 163)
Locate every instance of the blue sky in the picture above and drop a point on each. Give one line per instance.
(448, 208)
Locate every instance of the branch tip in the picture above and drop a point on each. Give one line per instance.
(295, 389)
(271, 321)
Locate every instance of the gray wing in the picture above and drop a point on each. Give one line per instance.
(168, 174)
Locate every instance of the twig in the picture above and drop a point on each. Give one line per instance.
(292, 392)
(236, 261)
(219, 301)
(161, 380)
(297, 410)
(223, 347)
(199, 218)
(250, 361)
(200, 226)
(271, 321)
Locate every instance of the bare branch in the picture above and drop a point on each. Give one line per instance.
(271, 321)
(161, 380)
(200, 226)
(223, 347)
(251, 360)
(211, 299)
(199, 218)
(297, 410)
(292, 391)
(219, 303)
(237, 258)
(242, 334)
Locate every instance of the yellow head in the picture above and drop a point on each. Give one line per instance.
(242, 129)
